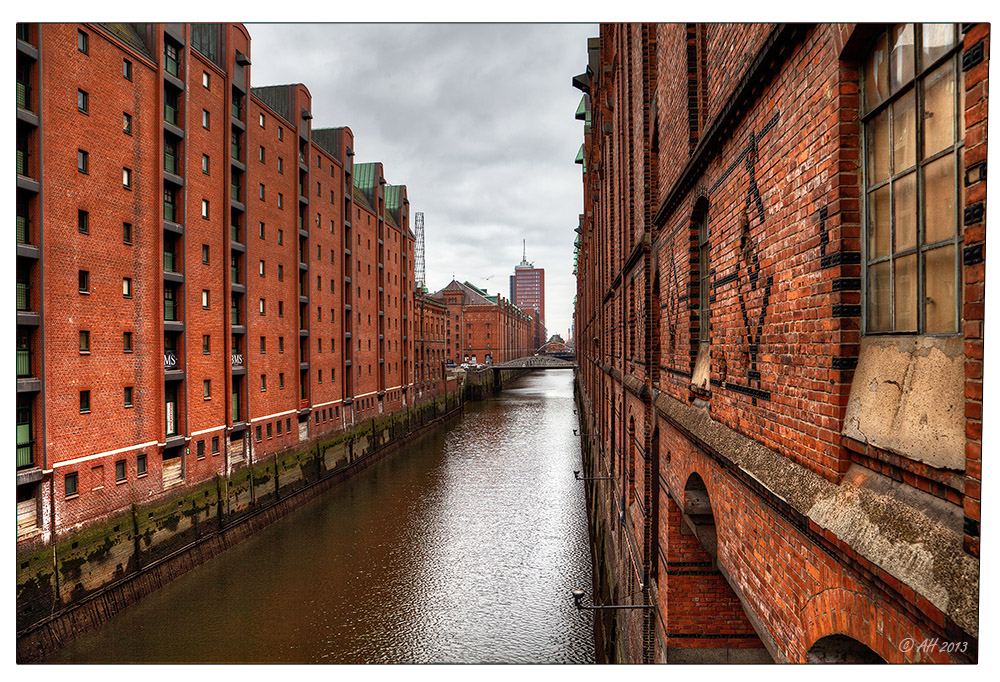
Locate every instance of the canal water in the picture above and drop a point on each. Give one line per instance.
(462, 548)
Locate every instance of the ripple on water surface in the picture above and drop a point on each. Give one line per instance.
(462, 549)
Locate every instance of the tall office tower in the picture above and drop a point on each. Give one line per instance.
(529, 294)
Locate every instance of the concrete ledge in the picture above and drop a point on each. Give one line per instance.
(908, 534)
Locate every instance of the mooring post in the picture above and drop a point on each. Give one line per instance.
(277, 494)
(135, 536)
(218, 497)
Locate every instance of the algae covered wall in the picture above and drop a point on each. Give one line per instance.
(97, 568)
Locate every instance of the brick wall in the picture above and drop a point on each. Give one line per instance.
(755, 131)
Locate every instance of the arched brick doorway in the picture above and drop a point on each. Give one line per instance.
(705, 621)
(841, 649)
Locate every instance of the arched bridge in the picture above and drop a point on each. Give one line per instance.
(537, 362)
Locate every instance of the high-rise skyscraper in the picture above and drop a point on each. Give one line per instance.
(528, 294)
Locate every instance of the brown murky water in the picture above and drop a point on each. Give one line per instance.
(462, 549)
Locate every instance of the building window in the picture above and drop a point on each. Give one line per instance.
(281, 344)
(261, 231)
(82, 42)
(204, 164)
(171, 59)
(269, 432)
(281, 200)
(262, 154)
(70, 482)
(126, 123)
(204, 119)
(258, 433)
(281, 273)
(319, 376)
(201, 449)
(281, 308)
(703, 278)
(82, 161)
(261, 192)
(206, 389)
(128, 396)
(281, 237)
(204, 253)
(263, 382)
(281, 166)
(281, 133)
(84, 341)
(82, 101)
(83, 221)
(278, 423)
(127, 178)
(215, 445)
(120, 471)
(127, 287)
(262, 123)
(127, 233)
(206, 80)
(84, 402)
(127, 69)
(204, 208)
(263, 344)
(913, 113)
(204, 299)
(127, 341)
(281, 380)
(140, 465)
(206, 344)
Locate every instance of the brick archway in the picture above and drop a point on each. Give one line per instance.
(704, 620)
(838, 612)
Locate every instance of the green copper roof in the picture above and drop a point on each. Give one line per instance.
(581, 111)
(360, 196)
(394, 195)
(366, 177)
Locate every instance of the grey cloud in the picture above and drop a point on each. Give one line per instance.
(477, 121)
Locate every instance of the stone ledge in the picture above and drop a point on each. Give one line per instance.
(906, 533)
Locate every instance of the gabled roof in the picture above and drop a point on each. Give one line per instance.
(471, 295)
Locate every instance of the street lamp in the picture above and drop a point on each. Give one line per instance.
(578, 596)
(577, 476)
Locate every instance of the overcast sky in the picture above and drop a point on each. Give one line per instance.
(477, 120)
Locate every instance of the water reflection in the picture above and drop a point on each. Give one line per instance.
(462, 549)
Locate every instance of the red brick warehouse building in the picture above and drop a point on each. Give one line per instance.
(430, 320)
(202, 276)
(779, 325)
(481, 327)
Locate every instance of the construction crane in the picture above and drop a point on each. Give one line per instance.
(418, 265)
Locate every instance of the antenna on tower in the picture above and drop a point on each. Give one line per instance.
(418, 265)
(524, 249)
